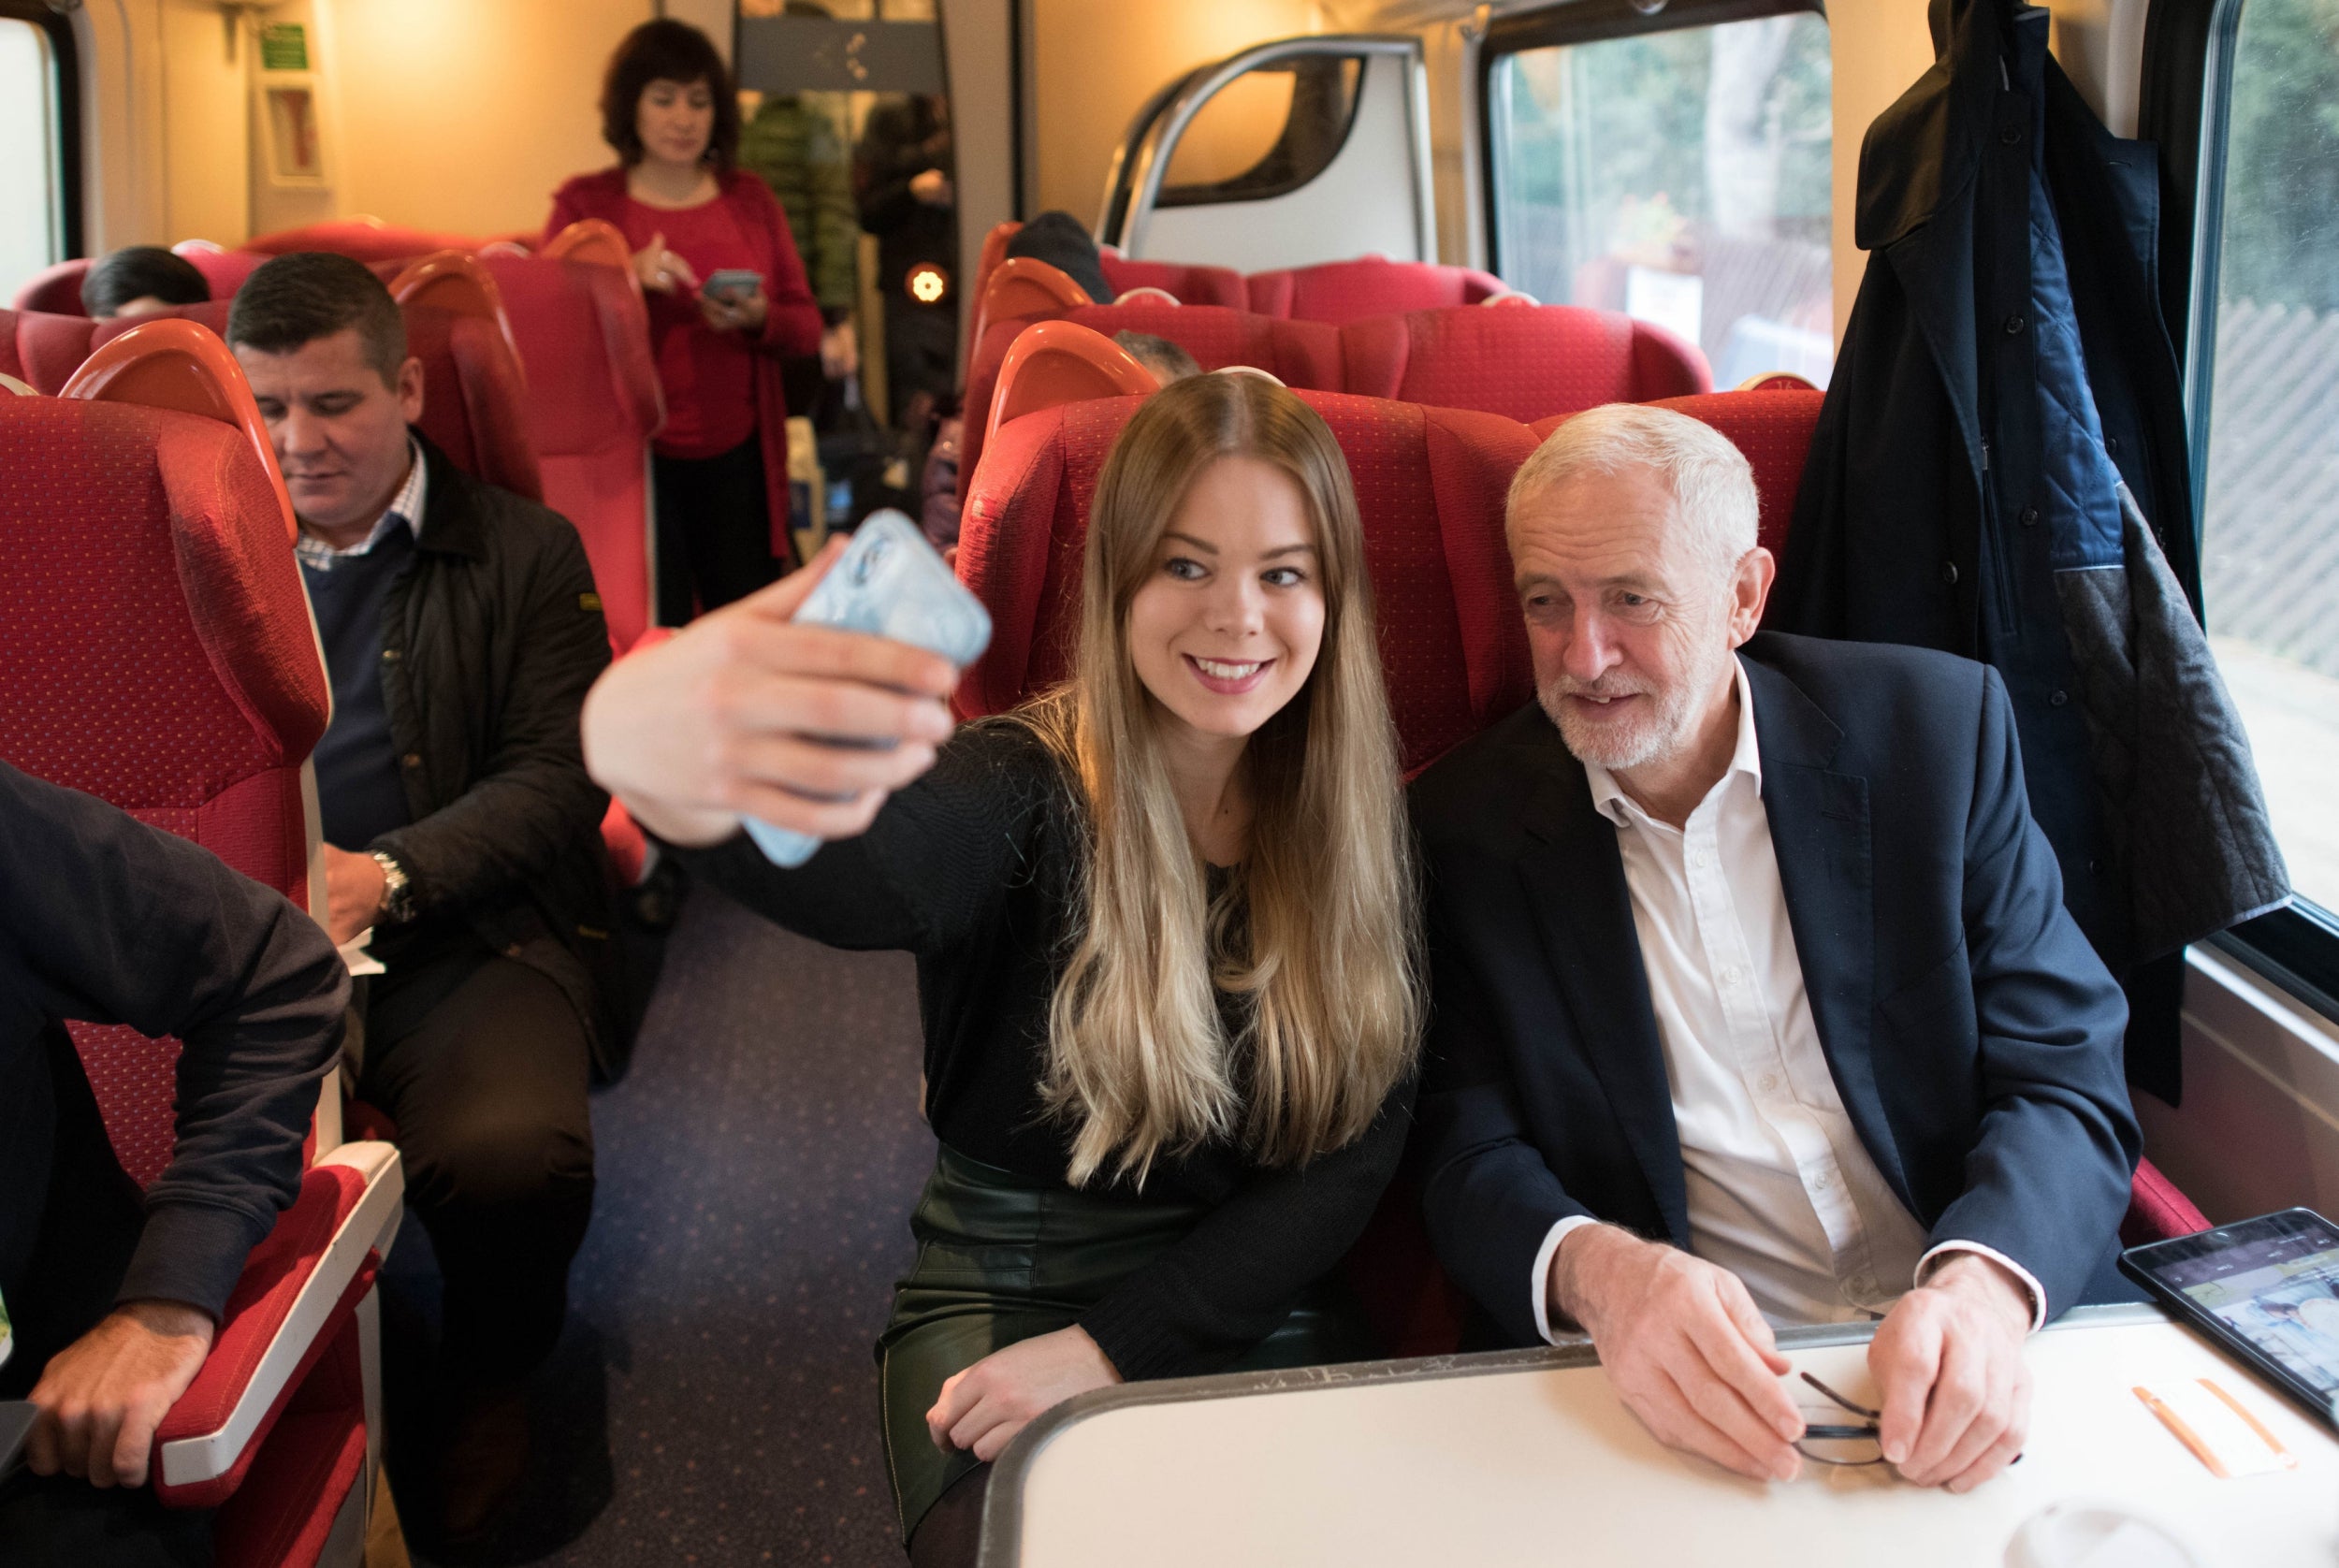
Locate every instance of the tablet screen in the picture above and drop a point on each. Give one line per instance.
(2272, 1280)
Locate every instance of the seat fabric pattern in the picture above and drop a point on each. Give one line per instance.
(1189, 285)
(475, 398)
(593, 405)
(1522, 363)
(283, 1514)
(43, 348)
(1345, 291)
(155, 651)
(54, 289)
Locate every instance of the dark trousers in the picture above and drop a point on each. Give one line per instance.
(91, 1217)
(714, 531)
(482, 1063)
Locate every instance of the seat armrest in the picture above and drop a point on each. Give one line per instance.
(2157, 1210)
(314, 1268)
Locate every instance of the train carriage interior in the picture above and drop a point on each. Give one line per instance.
(379, 377)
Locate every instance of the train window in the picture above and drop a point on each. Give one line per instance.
(1269, 131)
(2266, 382)
(36, 130)
(1673, 162)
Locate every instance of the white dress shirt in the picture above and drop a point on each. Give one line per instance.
(405, 510)
(1781, 1192)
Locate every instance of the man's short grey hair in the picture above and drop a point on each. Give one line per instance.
(1711, 481)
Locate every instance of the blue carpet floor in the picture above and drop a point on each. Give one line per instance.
(713, 1399)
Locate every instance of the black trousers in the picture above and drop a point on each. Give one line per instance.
(482, 1063)
(714, 531)
(91, 1217)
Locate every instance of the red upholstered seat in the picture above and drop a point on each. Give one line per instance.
(474, 401)
(1341, 291)
(156, 650)
(1430, 484)
(1298, 354)
(225, 270)
(43, 348)
(55, 289)
(1185, 282)
(593, 403)
(1523, 362)
(1774, 430)
(365, 239)
(110, 684)
(1188, 283)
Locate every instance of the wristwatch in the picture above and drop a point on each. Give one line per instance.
(397, 894)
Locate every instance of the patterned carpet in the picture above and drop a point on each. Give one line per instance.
(713, 1399)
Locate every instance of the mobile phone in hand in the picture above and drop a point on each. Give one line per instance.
(888, 583)
(732, 285)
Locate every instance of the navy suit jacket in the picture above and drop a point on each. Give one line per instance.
(1972, 1032)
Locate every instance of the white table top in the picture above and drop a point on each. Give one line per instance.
(1529, 1458)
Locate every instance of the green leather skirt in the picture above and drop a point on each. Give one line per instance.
(1002, 1258)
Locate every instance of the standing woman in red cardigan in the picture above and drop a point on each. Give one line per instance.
(721, 463)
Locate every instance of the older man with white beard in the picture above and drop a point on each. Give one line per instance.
(1756, 1000)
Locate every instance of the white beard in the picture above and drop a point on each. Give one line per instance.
(1662, 729)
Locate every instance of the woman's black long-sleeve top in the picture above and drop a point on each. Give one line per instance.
(972, 869)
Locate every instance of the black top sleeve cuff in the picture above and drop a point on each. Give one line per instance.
(190, 1253)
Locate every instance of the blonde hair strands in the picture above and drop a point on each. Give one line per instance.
(1318, 934)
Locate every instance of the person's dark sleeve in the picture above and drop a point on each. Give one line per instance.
(791, 317)
(118, 923)
(883, 173)
(1230, 1282)
(533, 800)
(1488, 1198)
(2049, 1179)
(929, 870)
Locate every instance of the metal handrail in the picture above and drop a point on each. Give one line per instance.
(1151, 160)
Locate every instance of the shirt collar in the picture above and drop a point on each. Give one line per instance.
(405, 508)
(1609, 799)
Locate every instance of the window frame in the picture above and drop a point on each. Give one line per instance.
(65, 49)
(1588, 22)
(2185, 107)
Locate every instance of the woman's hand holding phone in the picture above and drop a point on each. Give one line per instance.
(711, 726)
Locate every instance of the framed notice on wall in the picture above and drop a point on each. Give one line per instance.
(290, 129)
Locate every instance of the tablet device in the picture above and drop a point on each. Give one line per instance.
(2266, 1289)
(732, 282)
(16, 1424)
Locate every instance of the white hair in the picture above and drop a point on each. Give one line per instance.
(1711, 481)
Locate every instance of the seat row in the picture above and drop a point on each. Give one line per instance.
(1528, 362)
(1431, 484)
(156, 651)
(1333, 291)
(538, 377)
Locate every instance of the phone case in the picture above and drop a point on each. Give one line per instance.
(888, 583)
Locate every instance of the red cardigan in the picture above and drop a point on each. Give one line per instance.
(791, 327)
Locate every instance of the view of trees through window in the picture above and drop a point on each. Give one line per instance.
(2270, 527)
(1681, 176)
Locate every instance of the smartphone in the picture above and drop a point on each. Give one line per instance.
(888, 583)
(2267, 1290)
(731, 284)
(16, 1424)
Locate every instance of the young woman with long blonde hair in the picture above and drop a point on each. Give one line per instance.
(1165, 921)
